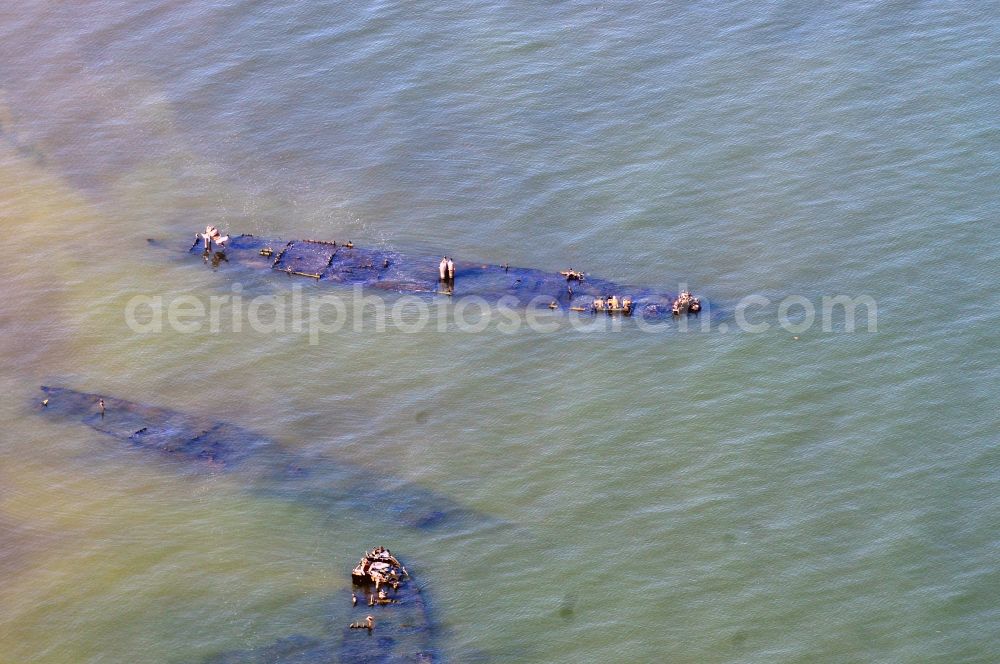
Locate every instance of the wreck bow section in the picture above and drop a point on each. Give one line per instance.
(187, 438)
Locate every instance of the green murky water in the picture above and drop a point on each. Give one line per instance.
(681, 496)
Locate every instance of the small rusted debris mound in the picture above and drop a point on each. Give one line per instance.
(573, 275)
(686, 303)
(368, 623)
(381, 568)
(612, 305)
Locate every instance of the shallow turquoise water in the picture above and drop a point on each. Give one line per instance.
(690, 496)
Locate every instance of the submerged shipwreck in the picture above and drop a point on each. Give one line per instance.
(393, 625)
(330, 262)
(267, 467)
(397, 615)
(400, 624)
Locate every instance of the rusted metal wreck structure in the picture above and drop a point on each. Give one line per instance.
(343, 263)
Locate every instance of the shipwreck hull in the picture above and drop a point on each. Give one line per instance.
(404, 629)
(268, 467)
(404, 633)
(332, 263)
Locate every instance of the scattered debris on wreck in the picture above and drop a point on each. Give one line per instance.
(686, 303)
(380, 568)
(368, 623)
